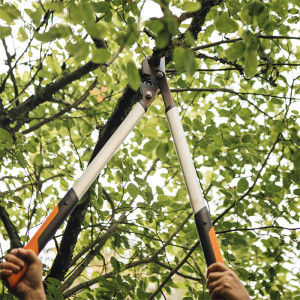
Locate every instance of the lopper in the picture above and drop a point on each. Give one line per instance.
(155, 80)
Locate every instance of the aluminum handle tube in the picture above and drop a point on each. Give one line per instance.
(72, 197)
(203, 222)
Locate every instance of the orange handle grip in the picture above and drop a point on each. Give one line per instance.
(15, 278)
(215, 245)
(33, 244)
(46, 231)
(207, 236)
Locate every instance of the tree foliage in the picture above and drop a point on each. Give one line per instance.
(70, 75)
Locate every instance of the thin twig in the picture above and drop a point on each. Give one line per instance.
(63, 111)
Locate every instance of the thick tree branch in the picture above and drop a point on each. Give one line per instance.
(11, 230)
(46, 93)
(198, 18)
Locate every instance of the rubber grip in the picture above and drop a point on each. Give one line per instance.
(46, 231)
(207, 235)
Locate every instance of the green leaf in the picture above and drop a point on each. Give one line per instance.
(225, 24)
(236, 51)
(190, 38)
(100, 56)
(242, 185)
(54, 281)
(245, 113)
(155, 25)
(151, 145)
(191, 6)
(115, 264)
(276, 101)
(9, 12)
(133, 190)
(35, 15)
(296, 192)
(4, 31)
(21, 159)
(82, 51)
(246, 138)
(251, 41)
(133, 76)
(55, 32)
(75, 14)
(39, 159)
(5, 139)
(22, 36)
(162, 150)
(184, 60)
(251, 63)
(162, 40)
(96, 30)
(171, 24)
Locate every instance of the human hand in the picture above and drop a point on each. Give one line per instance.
(223, 283)
(30, 286)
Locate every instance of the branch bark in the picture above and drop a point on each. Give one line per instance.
(15, 241)
(63, 111)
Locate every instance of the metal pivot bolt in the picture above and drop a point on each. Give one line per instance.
(159, 74)
(148, 95)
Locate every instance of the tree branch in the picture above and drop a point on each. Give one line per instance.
(63, 111)
(128, 266)
(9, 61)
(258, 228)
(220, 216)
(174, 271)
(15, 241)
(215, 90)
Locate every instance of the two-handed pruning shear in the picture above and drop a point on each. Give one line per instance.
(156, 79)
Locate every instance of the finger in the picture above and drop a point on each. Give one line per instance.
(216, 293)
(10, 266)
(218, 283)
(12, 258)
(212, 277)
(216, 267)
(5, 273)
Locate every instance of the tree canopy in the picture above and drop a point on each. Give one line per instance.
(70, 74)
